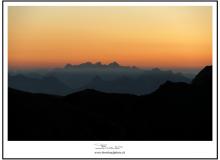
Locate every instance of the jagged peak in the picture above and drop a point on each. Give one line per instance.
(156, 69)
(88, 64)
(114, 64)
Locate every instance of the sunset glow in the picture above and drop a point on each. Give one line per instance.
(145, 36)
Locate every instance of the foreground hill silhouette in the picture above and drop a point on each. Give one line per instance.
(175, 111)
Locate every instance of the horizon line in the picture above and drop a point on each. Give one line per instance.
(100, 63)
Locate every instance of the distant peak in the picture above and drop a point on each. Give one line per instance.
(156, 69)
(68, 66)
(86, 64)
(98, 64)
(114, 64)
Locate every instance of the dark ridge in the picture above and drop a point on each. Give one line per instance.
(173, 88)
(176, 111)
(204, 77)
(87, 92)
(47, 84)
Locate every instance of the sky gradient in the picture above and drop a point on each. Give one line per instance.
(146, 36)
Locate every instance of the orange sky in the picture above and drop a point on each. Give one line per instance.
(146, 36)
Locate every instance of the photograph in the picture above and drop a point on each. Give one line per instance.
(110, 73)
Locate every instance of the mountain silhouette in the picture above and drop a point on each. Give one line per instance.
(98, 65)
(114, 64)
(146, 83)
(175, 111)
(204, 78)
(46, 84)
(112, 78)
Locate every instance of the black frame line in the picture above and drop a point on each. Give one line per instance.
(110, 1)
(217, 71)
(2, 80)
(100, 1)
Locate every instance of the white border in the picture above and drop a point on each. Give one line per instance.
(133, 149)
(110, 3)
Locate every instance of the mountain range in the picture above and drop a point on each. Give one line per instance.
(111, 78)
(176, 111)
(89, 65)
(46, 84)
(144, 84)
